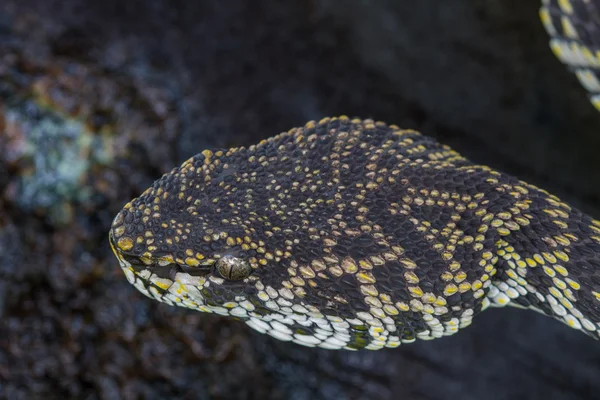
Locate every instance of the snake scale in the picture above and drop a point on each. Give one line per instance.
(354, 234)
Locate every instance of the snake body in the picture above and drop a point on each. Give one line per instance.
(574, 28)
(352, 234)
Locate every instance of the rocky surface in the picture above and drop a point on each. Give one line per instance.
(97, 99)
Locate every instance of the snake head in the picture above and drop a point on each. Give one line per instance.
(302, 236)
(217, 235)
(175, 245)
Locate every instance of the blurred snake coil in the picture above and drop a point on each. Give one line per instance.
(352, 234)
(574, 28)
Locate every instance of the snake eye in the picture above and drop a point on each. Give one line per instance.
(233, 268)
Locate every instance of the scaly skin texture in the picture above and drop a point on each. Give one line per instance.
(355, 234)
(574, 27)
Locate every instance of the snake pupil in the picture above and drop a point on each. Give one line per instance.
(233, 268)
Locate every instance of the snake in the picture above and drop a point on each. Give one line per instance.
(353, 234)
(574, 28)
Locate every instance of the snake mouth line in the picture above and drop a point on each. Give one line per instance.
(167, 271)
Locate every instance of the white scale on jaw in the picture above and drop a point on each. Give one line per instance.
(328, 331)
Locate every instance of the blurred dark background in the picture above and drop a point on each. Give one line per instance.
(99, 98)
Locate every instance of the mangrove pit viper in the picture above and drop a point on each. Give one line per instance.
(351, 234)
